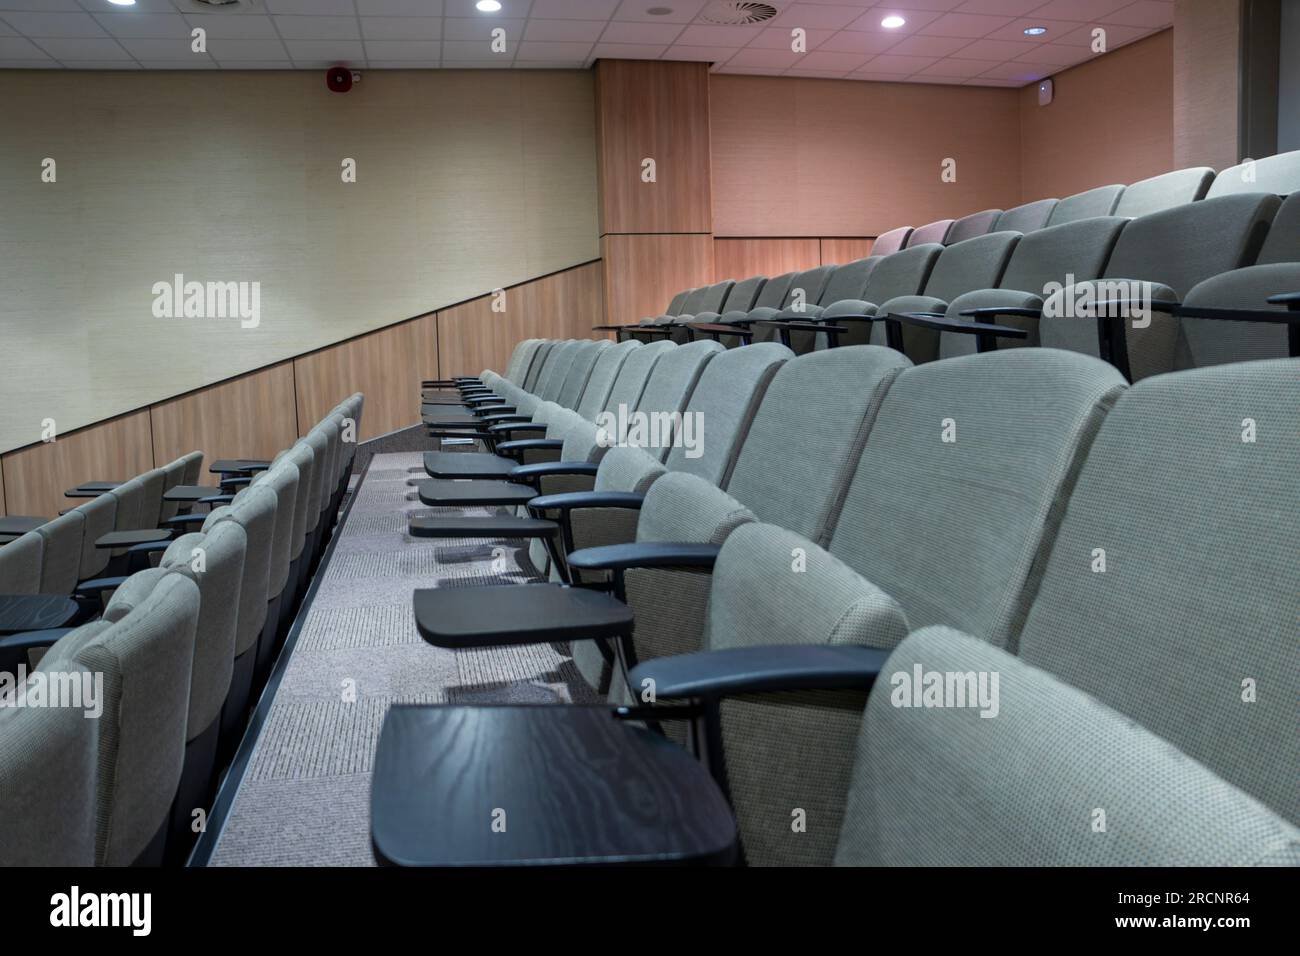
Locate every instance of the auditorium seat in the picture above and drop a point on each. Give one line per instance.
(931, 232)
(976, 224)
(1027, 218)
(1278, 174)
(890, 242)
(744, 295)
(1164, 192)
(1087, 205)
(772, 296)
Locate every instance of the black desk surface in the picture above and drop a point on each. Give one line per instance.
(517, 614)
(125, 539)
(571, 784)
(439, 491)
(35, 612)
(231, 465)
(20, 524)
(190, 492)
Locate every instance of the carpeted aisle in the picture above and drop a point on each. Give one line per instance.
(304, 798)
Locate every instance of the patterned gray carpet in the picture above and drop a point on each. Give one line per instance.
(304, 799)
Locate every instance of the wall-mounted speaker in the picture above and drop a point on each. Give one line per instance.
(1045, 90)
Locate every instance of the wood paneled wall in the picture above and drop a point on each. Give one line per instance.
(643, 273)
(809, 157)
(653, 110)
(741, 258)
(257, 414)
(1111, 121)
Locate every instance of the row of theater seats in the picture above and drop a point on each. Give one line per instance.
(182, 647)
(1119, 558)
(1188, 240)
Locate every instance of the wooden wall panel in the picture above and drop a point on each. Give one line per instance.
(1206, 75)
(1111, 121)
(472, 337)
(808, 157)
(252, 416)
(841, 250)
(658, 110)
(384, 365)
(643, 273)
(36, 476)
(741, 258)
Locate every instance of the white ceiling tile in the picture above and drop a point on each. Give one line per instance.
(1055, 54)
(404, 64)
(465, 8)
(154, 49)
(986, 81)
(810, 15)
(474, 50)
(313, 8)
(576, 9)
(45, 64)
(550, 64)
(683, 11)
(316, 50)
(853, 41)
(564, 30)
(628, 51)
(916, 20)
(778, 38)
(815, 74)
(80, 48)
(230, 48)
(699, 54)
(929, 46)
(826, 60)
(7, 31)
(888, 63)
(48, 6)
(470, 64)
(99, 6)
(998, 8)
(318, 28)
(1015, 30)
(765, 58)
(243, 27)
(1146, 13)
(55, 24)
(996, 49)
(403, 49)
(880, 77)
(104, 65)
(972, 25)
(399, 8)
(1116, 35)
(1087, 10)
(961, 69)
(465, 28)
(1020, 72)
(144, 24)
(401, 28)
(538, 50)
(19, 48)
(705, 35)
(640, 32)
(906, 6)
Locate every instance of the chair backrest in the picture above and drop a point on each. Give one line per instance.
(283, 480)
(1278, 174)
(253, 510)
(675, 306)
(151, 502)
(773, 293)
(519, 359)
(903, 273)
(930, 547)
(675, 377)
(539, 362)
(48, 758)
(695, 301)
(128, 497)
(214, 560)
(807, 286)
(714, 296)
(100, 516)
(931, 232)
(302, 457)
(890, 242)
(61, 555)
(20, 564)
(847, 281)
(1026, 218)
(173, 475)
(1087, 205)
(635, 373)
(318, 441)
(742, 295)
(1080, 249)
(609, 363)
(1164, 191)
(973, 264)
(584, 360)
(145, 658)
(976, 224)
(558, 363)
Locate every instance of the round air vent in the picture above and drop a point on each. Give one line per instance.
(738, 12)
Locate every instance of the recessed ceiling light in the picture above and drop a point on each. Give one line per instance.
(1035, 31)
(659, 11)
(488, 6)
(892, 22)
(122, 3)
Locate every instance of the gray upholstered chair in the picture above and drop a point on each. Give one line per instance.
(936, 231)
(887, 243)
(976, 224)
(1026, 218)
(1164, 192)
(61, 554)
(1087, 205)
(20, 564)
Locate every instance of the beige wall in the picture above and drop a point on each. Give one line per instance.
(1207, 62)
(466, 181)
(1111, 120)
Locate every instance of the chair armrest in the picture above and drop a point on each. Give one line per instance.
(544, 469)
(768, 669)
(587, 499)
(801, 325)
(994, 311)
(530, 444)
(715, 329)
(928, 321)
(1289, 299)
(505, 417)
(215, 500)
(92, 587)
(520, 423)
(1290, 317)
(125, 539)
(236, 482)
(179, 521)
(646, 554)
(503, 526)
(14, 647)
